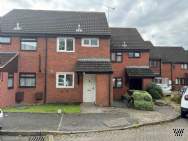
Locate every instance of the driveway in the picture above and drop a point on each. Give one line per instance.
(105, 118)
(30, 121)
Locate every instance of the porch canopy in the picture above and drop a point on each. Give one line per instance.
(140, 72)
(8, 62)
(94, 65)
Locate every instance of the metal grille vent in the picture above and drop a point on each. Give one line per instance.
(37, 138)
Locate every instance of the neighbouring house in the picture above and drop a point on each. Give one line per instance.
(170, 64)
(130, 61)
(74, 57)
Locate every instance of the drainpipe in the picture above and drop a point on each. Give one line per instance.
(45, 70)
(172, 74)
(110, 90)
(160, 67)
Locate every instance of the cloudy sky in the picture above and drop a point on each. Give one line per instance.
(164, 22)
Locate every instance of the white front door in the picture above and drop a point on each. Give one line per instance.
(89, 88)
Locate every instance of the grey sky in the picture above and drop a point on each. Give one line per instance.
(164, 22)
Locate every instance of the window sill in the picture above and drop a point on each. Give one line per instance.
(27, 87)
(62, 87)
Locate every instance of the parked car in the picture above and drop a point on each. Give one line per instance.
(184, 104)
(182, 90)
(1, 118)
(165, 88)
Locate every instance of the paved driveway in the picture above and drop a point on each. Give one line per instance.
(28, 121)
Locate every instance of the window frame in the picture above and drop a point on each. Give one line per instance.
(6, 43)
(65, 75)
(27, 73)
(115, 79)
(65, 39)
(134, 52)
(10, 76)
(154, 63)
(89, 45)
(183, 66)
(116, 56)
(29, 39)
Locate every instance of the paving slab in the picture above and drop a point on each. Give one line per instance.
(118, 122)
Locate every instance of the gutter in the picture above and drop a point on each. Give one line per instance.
(171, 73)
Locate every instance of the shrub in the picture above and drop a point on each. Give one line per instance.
(141, 95)
(143, 105)
(155, 91)
(142, 100)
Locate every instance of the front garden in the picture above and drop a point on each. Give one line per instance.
(46, 108)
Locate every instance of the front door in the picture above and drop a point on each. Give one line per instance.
(89, 88)
(135, 83)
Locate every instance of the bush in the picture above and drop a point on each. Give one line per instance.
(142, 100)
(155, 91)
(141, 95)
(143, 105)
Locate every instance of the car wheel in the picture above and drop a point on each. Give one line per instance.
(183, 114)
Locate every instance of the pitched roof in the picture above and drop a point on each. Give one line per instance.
(55, 22)
(92, 65)
(169, 54)
(130, 36)
(139, 72)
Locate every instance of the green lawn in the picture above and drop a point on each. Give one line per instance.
(45, 108)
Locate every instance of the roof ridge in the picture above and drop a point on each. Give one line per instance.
(51, 10)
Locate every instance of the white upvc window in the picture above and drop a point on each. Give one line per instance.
(90, 42)
(65, 44)
(65, 80)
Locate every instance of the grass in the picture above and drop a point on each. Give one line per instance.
(45, 108)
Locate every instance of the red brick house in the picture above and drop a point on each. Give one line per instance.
(62, 57)
(66, 57)
(130, 61)
(171, 64)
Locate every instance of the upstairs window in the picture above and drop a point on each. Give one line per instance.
(27, 80)
(154, 63)
(90, 42)
(65, 44)
(29, 44)
(184, 66)
(5, 40)
(134, 54)
(65, 80)
(116, 57)
(10, 82)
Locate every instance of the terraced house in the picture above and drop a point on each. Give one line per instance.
(61, 56)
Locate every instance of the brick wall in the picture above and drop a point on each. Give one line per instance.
(7, 96)
(34, 61)
(119, 70)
